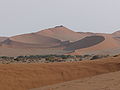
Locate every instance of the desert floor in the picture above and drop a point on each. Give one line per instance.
(29, 76)
(109, 81)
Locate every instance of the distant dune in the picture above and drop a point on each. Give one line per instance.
(116, 34)
(2, 38)
(60, 40)
(109, 43)
(64, 34)
(34, 38)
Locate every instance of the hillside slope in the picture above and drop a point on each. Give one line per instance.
(108, 44)
(62, 33)
(2, 38)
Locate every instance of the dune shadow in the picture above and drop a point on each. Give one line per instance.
(85, 42)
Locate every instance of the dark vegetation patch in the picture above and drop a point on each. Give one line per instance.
(48, 58)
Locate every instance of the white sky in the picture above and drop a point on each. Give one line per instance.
(23, 16)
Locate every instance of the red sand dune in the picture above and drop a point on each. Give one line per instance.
(108, 43)
(63, 40)
(2, 38)
(14, 44)
(116, 34)
(34, 38)
(62, 33)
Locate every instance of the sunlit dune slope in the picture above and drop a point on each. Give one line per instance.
(62, 33)
(34, 38)
(14, 44)
(108, 44)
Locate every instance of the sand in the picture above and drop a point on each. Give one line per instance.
(108, 44)
(85, 43)
(63, 34)
(62, 40)
(109, 81)
(28, 76)
(2, 38)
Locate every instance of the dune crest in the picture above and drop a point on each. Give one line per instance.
(62, 33)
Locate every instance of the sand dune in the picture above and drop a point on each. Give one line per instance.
(28, 76)
(62, 33)
(2, 38)
(62, 40)
(109, 81)
(108, 44)
(34, 38)
(14, 44)
(116, 34)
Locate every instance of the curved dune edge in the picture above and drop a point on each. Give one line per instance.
(108, 43)
(109, 81)
(64, 34)
(34, 38)
(14, 44)
(85, 42)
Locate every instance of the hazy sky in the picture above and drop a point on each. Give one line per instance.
(22, 16)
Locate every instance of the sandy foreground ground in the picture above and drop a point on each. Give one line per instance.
(109, 81)
(30, 76)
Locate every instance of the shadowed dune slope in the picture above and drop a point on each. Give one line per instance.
(28, 76)
(14, 44)
(62, 33)
(18, 51)
(2, 38)
(85, 42)
(116, 34)
(108, 44)
(34, 38)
